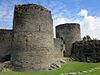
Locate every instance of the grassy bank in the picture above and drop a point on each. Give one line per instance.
(66, 68)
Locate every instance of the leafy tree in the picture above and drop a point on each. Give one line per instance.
(87, 38)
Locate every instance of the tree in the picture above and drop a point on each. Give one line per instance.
(87, 38)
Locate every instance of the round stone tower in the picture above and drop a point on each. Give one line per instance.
(69, 33)
(33, 38)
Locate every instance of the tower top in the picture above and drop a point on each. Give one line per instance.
(25, 7)
(69, 25)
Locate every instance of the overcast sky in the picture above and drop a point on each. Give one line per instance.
(85, 12)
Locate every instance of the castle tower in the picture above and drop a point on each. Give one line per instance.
(69, 33)
(33, 38)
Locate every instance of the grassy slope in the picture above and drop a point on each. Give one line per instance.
(70, 67)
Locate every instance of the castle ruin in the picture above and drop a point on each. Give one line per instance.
(30, 43)
(69, 33)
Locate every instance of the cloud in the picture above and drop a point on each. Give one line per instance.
(6, 15)
(6, 19)
(91, 22)
(61, 20)
(83, 13)
(90, 25)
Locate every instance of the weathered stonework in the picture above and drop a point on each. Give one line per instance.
(33, 38)
(30, 43)
(5, 43)
(69, 33)
(59, 48)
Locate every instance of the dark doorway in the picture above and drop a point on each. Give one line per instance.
(64, 53)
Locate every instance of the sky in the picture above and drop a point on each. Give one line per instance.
(84, 12)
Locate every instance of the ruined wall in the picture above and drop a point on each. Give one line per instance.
(5, 43)
(69, 32)
(59, 48)
(33, 38)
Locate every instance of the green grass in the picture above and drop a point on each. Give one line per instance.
(66, 68)
(97, 72)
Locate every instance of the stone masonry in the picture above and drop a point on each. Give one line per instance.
(32, 38)
(30, 44)
(5, 43)
(59, 48)
(69, 33)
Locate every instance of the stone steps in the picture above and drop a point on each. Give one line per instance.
(60, 61)
(6, 66)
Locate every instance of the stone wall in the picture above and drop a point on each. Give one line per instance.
(59, 48)
(31, 44)
(5, 43)
(33, 38)
(69, 33)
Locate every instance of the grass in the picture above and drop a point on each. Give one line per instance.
(97, 72)
(66, 68)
